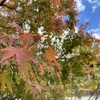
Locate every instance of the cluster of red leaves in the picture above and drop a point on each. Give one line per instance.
(30, 38)
(22, 53)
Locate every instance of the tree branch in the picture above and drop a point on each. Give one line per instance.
(4, 27)
(93, 93)
(8, 97)
(2, 4)
(3, 1)
(9, 7)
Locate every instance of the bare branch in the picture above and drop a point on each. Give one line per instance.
(2, 3)
(9, 7)
(4, 27)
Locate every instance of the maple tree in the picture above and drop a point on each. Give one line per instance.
(38, 65)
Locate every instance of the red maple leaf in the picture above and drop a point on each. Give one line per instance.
(20, 55)
(38, 86)
(29, 36)
(8, 36)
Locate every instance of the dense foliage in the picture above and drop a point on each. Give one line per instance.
(41, 52)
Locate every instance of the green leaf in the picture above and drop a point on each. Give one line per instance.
(6, 81)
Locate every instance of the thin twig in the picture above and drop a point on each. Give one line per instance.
(93, 93)
(10, 7)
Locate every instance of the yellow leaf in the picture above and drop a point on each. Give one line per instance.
(27, 67)
(6, 81)
(2, 81)
(82, 89)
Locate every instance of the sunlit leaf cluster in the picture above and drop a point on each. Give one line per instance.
(41, 52)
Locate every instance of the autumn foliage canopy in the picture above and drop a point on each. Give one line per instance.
(41, 50)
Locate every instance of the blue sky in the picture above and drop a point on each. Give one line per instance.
(89, 10)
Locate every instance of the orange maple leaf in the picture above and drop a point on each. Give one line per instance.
(21, 32)
(51, 56)
(41, 69)
(89, 71)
